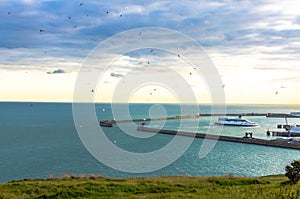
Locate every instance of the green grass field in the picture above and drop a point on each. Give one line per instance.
(156, 187)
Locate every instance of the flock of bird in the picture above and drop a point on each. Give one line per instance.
(69, 17)
(140, 33)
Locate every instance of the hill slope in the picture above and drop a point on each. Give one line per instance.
(162, 187)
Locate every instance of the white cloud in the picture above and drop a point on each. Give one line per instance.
(243, 38)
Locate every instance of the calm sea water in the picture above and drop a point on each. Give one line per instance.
(40, 139)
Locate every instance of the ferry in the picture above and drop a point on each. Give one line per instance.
(239, 121)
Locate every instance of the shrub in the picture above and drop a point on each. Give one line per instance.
(293, 171)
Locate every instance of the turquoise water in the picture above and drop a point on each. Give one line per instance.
(40, 139)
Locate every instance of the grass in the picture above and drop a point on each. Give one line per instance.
(156, 187)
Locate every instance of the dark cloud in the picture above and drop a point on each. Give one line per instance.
(235, 24)
(118, 75)
(58, 71)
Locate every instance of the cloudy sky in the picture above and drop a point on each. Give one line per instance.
(255, 46)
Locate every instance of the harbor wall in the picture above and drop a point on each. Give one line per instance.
(246, 140)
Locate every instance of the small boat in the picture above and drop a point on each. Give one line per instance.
(106, 123)
(239, 121)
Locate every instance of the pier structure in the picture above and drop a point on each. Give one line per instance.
(109, 123)
(282, 133)
(246, 139)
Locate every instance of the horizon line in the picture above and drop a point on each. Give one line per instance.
(202, 103)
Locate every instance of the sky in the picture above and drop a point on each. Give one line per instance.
(254, 45)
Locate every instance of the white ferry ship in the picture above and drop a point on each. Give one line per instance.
(239, 121)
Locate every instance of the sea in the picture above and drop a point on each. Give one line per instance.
(41, 140)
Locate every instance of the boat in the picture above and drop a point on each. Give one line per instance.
(239, 121)
(290, 130)
(106, 123)
(295, 114)
(293, 129)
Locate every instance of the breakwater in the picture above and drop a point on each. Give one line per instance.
(109, 123)
(246, 140)
(282, 133)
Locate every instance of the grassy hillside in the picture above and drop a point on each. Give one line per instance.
(157, 187)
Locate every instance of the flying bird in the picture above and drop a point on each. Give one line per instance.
(41, 30)
(178, 55)
(121, 15)
(151, 50)
(107, 12)
(75, 26)
(81, 4)
(69, 17)
(276, 93)
(140, 33)
(9, 13)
